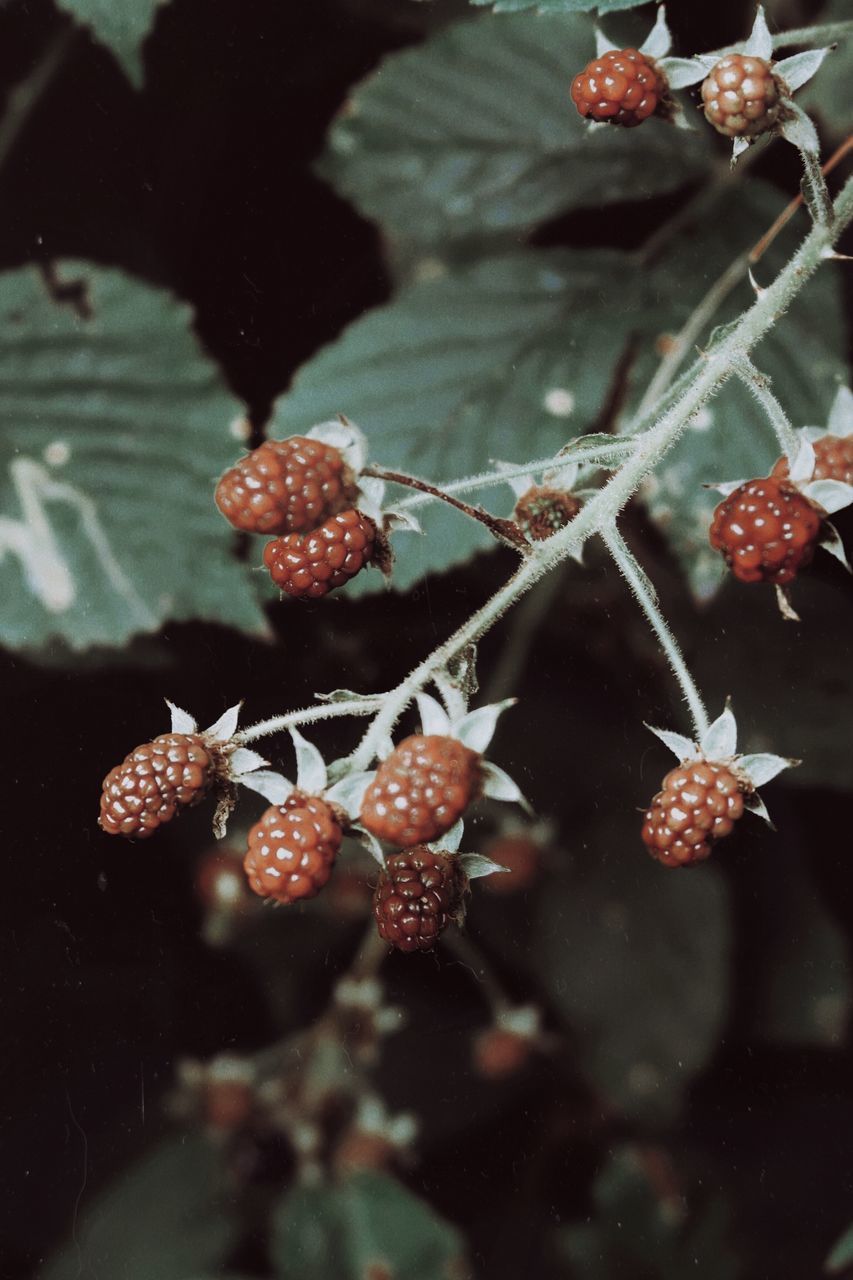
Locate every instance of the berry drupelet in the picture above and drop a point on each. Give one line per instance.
(766, 530)
(622, 86)
(697, 805)
(154, 782)
(418, 893)
(286, 486)
(421, 789)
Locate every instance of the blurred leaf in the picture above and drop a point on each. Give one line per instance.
(455, 373)
(830, 93)
(804, 356)
(114, 429)
(474, 132)
(368, 1225)
(164, 1219)
(122, 25)
(636, 958)
(801, 989)
(560, 6)
(796, 689)
(640, 1227)
(841, 1256)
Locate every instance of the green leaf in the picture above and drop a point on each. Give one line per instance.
(841, 1256)
(462, 370)
(369, 1221)
(637, 961)
(804, 356)
(122, 25)
(474, 132)
(457, 372)
(165, 1218)
(560, 6)
(113, 429)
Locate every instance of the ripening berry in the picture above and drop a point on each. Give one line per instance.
(542, 511)
(742, 96)
(292, 849)
(623, 87)
(698, 804)
(220, 883)
(522, 857)
(313, 564)
(286, 486)
(499, 1053)
(421, 790)
(417, 894)
(833, 460)
(153, 783)
(766, 530)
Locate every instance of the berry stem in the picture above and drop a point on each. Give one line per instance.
(759, 385)
(365, 706)
(705, 377)
(814, 189)
(504, 530)
(758, 251)
(606, 453)
(645, 596)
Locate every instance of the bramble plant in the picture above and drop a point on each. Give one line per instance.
(526, 397)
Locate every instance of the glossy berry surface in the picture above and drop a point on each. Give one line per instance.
(698, 804)
(833, 460)
(542, 511)
(417, 894)
(285, 486)
(766, 530)
(153, 783)
(741, 96)
(421, 790)
(292, 849)
(309, 566)
(621, 87)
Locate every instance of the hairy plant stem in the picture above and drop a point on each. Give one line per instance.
(504, 530)
(308, 715)
(705, 377)
(758, 384)
(645, 596)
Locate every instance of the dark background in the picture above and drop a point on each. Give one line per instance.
(202, 182)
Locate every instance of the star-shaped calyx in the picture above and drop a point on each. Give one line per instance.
(718, 746)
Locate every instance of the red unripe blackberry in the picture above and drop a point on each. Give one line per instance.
(499, 1054)
(522, 857)
(286, 486)
(292, 849)
(418, 893)
(766, 530)
(542, 511)
(421, 789)
(311, 565)
(833, 457)
(153, 783)
(742, 96)
(698, 804)
(623, 87)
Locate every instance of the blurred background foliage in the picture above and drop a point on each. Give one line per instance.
(217, 215)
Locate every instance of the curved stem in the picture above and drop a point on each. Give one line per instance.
(704, 378)
(504, 530)
(604, 453)
(25, 95)
(645, 596)
(759, 385)
(308, 715)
